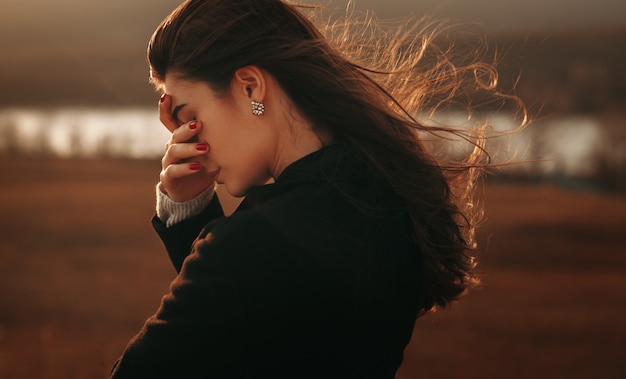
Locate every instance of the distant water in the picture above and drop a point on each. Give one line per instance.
(67, 132)
(569, 146)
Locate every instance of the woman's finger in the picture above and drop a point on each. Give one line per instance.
(180, 152)
(186, 132)
(176, 171)
(165, 113)
(184, 181)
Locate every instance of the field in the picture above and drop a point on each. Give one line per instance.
(80, 269)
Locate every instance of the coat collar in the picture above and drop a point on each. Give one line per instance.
(334, 162)
(305, 170)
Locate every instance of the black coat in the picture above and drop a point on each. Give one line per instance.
(313, 276)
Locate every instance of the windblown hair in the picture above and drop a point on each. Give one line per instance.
(365, 85)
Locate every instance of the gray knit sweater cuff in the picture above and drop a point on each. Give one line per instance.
(171, 212)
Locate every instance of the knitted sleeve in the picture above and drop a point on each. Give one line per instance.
(171, 212)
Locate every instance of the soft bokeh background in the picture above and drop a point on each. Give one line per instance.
(80, 268)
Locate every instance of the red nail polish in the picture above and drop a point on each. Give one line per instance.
(193, 125)
(162, 99)
(195, 166)
(202, 147)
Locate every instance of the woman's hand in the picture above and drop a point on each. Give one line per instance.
(182, 175)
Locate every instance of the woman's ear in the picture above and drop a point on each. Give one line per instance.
(249, 81)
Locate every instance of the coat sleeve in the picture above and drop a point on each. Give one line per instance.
(179, 238)
(199, 329)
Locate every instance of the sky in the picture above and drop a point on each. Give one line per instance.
(494, 14)
(39, 23)
(62, 44)
(510, 15)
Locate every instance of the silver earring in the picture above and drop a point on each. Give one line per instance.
(258, 108)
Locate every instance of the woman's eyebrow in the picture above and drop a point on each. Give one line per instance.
(176, 110)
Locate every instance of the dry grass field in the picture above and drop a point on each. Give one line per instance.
(80, 269)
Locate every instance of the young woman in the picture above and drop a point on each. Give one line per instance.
(349, 229)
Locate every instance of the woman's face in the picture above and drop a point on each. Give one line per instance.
(240, 149)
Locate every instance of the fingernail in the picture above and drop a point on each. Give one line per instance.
(194, 166)
(193, 125)
(202, 147)
(162, 99)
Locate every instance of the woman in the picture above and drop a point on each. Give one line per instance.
(322, 272)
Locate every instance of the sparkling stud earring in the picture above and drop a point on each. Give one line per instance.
(258, 108)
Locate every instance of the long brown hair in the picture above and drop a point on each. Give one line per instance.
(365, 88)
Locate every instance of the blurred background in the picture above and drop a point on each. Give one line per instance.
(74, 79)
(80, 142)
